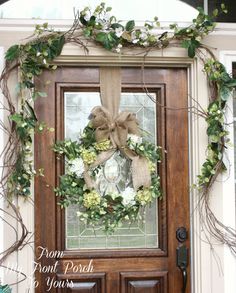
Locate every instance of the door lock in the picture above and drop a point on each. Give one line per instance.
(181, 234)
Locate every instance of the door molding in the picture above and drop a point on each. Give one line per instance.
(197, 89)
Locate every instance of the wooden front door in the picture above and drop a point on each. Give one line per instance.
(140, 258)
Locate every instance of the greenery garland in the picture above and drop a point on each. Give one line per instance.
(46, 44)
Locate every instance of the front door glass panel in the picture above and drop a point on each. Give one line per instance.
(114, 175)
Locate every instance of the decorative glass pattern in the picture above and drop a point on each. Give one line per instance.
(113, 176)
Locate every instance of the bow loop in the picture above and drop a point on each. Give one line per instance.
(116, 129)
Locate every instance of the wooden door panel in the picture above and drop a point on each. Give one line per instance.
(148, 270)
(144, 282)
(150, 286)
(83, 283)
(88, 287)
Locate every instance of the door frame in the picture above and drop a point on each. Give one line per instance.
(72, 56)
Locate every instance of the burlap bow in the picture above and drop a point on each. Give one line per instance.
(116, 130)
(108, 124)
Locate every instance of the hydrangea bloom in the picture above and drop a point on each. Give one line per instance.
(77, 166)
(91, 199)
(128, 196)
(134, 138)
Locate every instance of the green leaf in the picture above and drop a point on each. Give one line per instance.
(191, 45)
(173, 26)
(130, 25)
(28, 84)
(215, 12)
(222, 5)
(87, 32)
(225, 93)
(108, 40)
(16, 117)
(42, 94)
(214, 138)
(116, 25)
(185, 44)
(56, 47)
(92, 21)
(82, 20)
(231, 83)
(100, 37)
(108, 9)
(200, 10)
(191, 50)
(31, 110)
(12, 53)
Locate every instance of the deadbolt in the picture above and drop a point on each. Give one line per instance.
(181, 234)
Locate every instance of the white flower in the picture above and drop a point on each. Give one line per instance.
(87, 16)
(145, 44)
(143, 36)
(79, 214)
(118, 48)
(77, 166)
(118, 31)
(135, 41)
(107, 16)
(128, 196)
(134, 138)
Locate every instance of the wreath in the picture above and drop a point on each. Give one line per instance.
(100, 140)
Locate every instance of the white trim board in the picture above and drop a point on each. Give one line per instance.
(229, 195)
(28, 25)
(1, 163)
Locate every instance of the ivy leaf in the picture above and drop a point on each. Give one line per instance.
(12, 53)
(28, 84)
(16, 118)
(31, 110)
(185, 44)
(92, 21)
(101, 37)
(108, 9)
(231, 83)
(116, 25)
(130, 25)
(126, 36)
(108, 40)
(56, 47)
(224, 9)
(191, 45)
(225, 93)
(87, 32)
(191, 51)
(83, 21)
(42, 94)
(215, 12)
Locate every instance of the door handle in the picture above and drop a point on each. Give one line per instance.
(182, 263)
(182, 255)
(185, 278)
